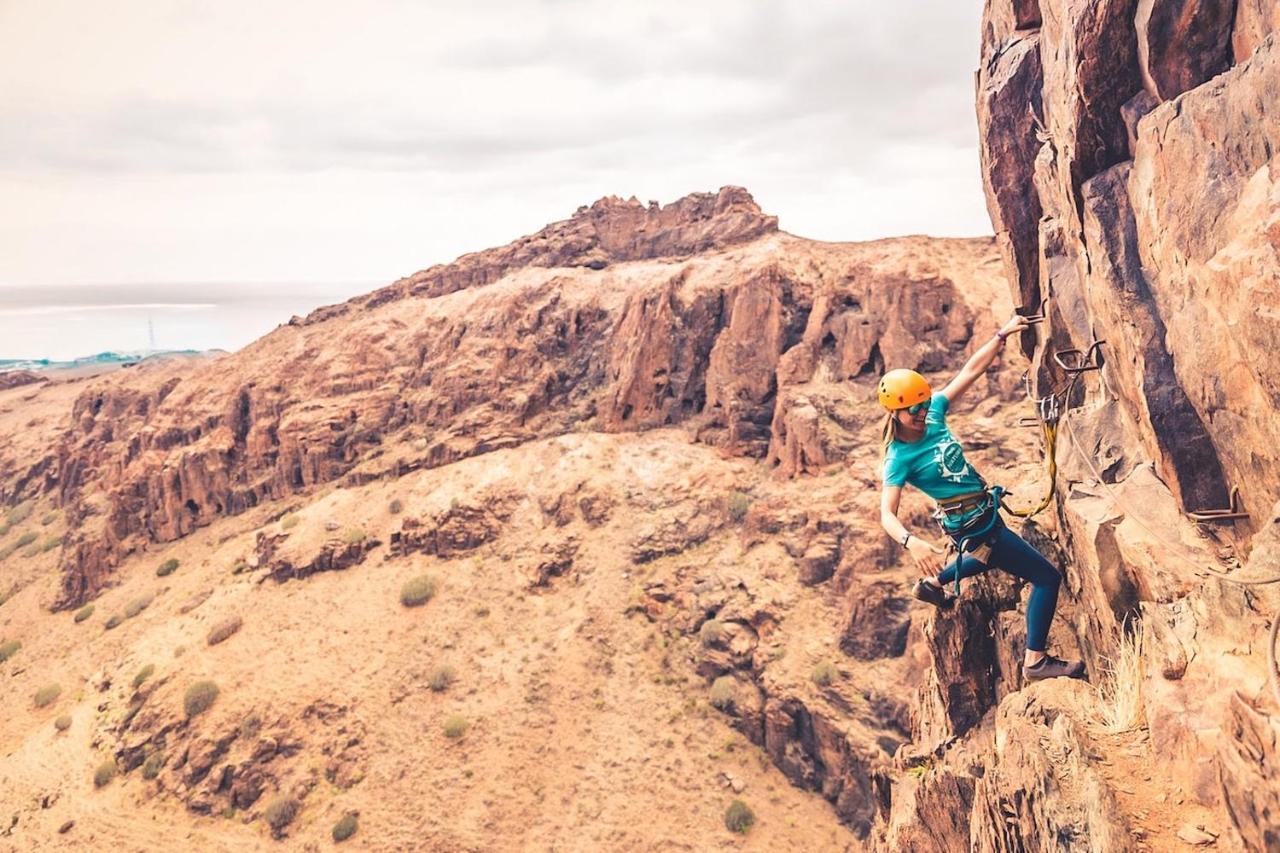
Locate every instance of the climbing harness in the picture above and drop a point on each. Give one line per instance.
(978, 530)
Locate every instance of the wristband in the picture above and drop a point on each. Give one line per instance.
(904, 540)
(1001, 336)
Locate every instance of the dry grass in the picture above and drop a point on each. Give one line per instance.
(1120, 688)
(84, 613)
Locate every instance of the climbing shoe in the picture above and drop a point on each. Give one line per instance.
(933, 594)
(1051, 667)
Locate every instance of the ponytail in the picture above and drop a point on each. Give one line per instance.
(888, 432)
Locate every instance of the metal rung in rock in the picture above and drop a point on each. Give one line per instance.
(1222, 514)
(1084, 361)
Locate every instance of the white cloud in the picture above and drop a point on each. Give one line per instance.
(186, 140)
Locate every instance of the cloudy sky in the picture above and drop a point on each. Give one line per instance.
(162, 141)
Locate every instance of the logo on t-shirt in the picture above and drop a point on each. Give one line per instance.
(950, 458)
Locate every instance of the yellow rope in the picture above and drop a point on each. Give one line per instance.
(1051, 454)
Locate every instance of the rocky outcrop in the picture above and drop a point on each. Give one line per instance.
(624, 317)
(1153, 194)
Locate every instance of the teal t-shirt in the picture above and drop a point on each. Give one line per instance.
(935, 464)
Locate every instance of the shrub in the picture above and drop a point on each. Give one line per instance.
(441, 678)
(290, 521)
(418, 591)
(739, 502)
(25, 539)
(9, 649)
(345, 827)
(114, 621)
(45, 695)
(396, 506)
(48, 518)
(199, 697)
(143, 675)
(723, 691)
(224, 629)
(280, 812)
(824, 673)
(139, 604)
(62, 723)
(168, 567)
(455, 726)
(153, 765)
(250, 726)
(353, 536)
(18, 514)
(50, 543)
(84, 613)
(711, 632)
(105, 773)
(738, 817)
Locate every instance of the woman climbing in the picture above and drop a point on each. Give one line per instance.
(919, 449)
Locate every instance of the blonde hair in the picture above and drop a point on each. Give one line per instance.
(888, 432)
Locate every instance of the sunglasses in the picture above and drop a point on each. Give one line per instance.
(917, 408)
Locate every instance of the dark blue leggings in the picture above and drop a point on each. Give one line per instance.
(1011, 553)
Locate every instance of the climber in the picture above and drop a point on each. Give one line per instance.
(919, 449)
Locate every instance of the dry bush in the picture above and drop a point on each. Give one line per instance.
(1120, 688)
(418, 591)
(354, 536)
(84, 613)
(711, 632)
(455, 726)
(724, 690)
(50, 543)
(441, 677)
(143, 675)
(199, 697)
(281, 812)
(290, 521)
(825, 673)
(47, 694)
(105, 773)
(396, 506)
(153, 765)
(224, 629)
(9, 649)
(48, 518)
(18, 514)
(62, 723)
(739, 503)
(345, 827)
(139, 604)
(168, 567)
(113, 621)
(738, 817)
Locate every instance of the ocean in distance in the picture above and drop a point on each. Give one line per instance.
(66, 322)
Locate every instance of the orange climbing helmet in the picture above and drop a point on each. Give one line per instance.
(901, 388)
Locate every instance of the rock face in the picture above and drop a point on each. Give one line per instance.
(1143, 212)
